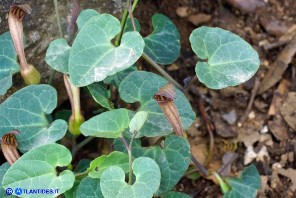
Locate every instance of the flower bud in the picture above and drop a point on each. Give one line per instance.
(74, 124)
(31, 75)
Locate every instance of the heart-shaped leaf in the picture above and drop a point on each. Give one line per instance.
(101, 95)
(175, 195)
(245, 186)
(37, 169)
(93, 57)
(147, 174)
(119, 76)
(228, 59)
(163, 44)
(173, 160)
(100, 164)
(85, 16)
(26, 111)
(140, 86)
(57, 55)
(109, 124)
(89, 188)
(3, 169)
(8, 61)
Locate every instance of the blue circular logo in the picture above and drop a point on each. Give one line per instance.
(9, 191)
(18, 191)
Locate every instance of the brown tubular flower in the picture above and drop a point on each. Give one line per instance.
(76, 118)
(165, 99)
(15, 17)
(9, 146)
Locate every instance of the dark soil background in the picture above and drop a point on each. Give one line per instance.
(251, 123)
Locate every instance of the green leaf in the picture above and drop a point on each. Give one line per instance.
(163, 44)
(72, 192)
(100, 164)
(3, 169)
(173, 159)
(57, 55)
(85, 16)
(101, 95)
(26, 110)
(119, 76)
(229, 60)
(89, 188)
(147, 174)
(138, 121)
(8, 60)
(175, 195)
(82, 165)
(109, 124)
(140, 86)
(246, 185)
(93, 57)
(37, 169)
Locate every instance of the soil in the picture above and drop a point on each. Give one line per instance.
(267, 123)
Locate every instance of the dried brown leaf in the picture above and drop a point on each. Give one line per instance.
(288, 110)
(290, 173)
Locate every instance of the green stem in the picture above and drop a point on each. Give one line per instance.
(224, 187)
(134, 5)
(161, 71)
(81, 174)
(122, 24)
(130, 159)
(58, 17)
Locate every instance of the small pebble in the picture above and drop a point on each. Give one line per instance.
(264, 129)
(251, 115)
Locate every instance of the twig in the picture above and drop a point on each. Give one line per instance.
(251, 101)
(76, 148)
(161, 71)
(209, 126)
(131, 15)
(202, 169)
(192, 81)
